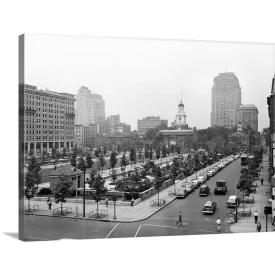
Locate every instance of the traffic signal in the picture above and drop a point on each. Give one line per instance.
(267, 210)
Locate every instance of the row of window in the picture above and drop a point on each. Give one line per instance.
(28, 96)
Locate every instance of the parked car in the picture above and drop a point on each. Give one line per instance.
(195, 183)
(209, 207)
(204, 190)
(233, 201)
(202, 179)
(182, 194)
(189, 187)
(211, 173)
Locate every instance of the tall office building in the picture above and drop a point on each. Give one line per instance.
(226, 98)
(248, 115)
(90, 109)
(49, 119)
(112, 123)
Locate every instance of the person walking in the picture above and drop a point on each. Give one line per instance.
(49, 203)
(218, 222)
(262, 181)
(231, 218)
(180, 219)
(106, 202)
(256, 216)
(132, 201)
(259, 227)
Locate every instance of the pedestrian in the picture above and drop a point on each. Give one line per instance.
(180, 219)
(231, 218)
(259, 227)
(218, 222)
(262, 181)
(50, 205)
(256, 216)
(106, 202)
(132, 201)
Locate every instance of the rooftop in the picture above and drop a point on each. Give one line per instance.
(66, 170)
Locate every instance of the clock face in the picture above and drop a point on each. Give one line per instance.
(179, 118)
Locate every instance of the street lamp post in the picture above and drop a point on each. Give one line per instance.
(114, 200)
(84, 195)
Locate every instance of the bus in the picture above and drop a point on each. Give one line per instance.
(244, 159)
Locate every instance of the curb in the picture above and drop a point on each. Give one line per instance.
(103, 220)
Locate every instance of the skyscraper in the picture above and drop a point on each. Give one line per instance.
(90, 109)
(226, 98)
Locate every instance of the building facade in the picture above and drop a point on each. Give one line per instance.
(90, 109)
(49, 120)
(226, 98)
(248, 115)
(150, 122)
(112, 123)
(271, 113)
(85, 136)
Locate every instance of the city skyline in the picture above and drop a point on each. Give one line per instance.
(137, 78)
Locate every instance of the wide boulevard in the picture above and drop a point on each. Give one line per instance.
(163, 223)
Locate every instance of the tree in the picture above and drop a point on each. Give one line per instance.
(113, 160)
(178, 150)
(175, 172)
(44, 155)
(114, 175)
(102, 161)
(139, 155)
(81, 165)
(151, 154)
(136, 176)
(133, 155)
(158, 153)
(266, 136)
(53, 153)
(164, 151)
(123, 161)
(98, 188)
(89, 161)
(64, 153)
(96, 153)
(33, 175)
(105, 150)
(74, 156)
(158, 180)
(62, 191)
(146, 154)
(57, 155)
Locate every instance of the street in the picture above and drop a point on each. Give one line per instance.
(163, 223)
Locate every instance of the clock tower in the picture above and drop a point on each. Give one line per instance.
(180, 120)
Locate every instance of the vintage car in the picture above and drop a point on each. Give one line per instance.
(209, 207)
(233, 201)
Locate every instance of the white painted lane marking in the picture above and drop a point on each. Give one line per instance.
(112, 230)
(164, 218)
(207, 231)
(163, 226)
(138, 230)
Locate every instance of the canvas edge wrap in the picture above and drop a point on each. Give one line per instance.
(21, 136)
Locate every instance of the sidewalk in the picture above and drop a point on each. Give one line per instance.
(138, 212)
(247, 224)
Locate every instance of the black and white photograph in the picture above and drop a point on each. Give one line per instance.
(132, 137)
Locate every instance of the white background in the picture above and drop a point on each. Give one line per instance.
(248, 21)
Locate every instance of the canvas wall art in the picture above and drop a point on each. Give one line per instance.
(126, 138)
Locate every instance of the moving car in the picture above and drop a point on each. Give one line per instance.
(221, 187)
(233, 201)
(209, 207)
(204, 190)
(182, 194)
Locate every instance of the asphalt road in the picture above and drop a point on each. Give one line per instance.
(163, 223)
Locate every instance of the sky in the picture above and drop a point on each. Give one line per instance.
(143, 77)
